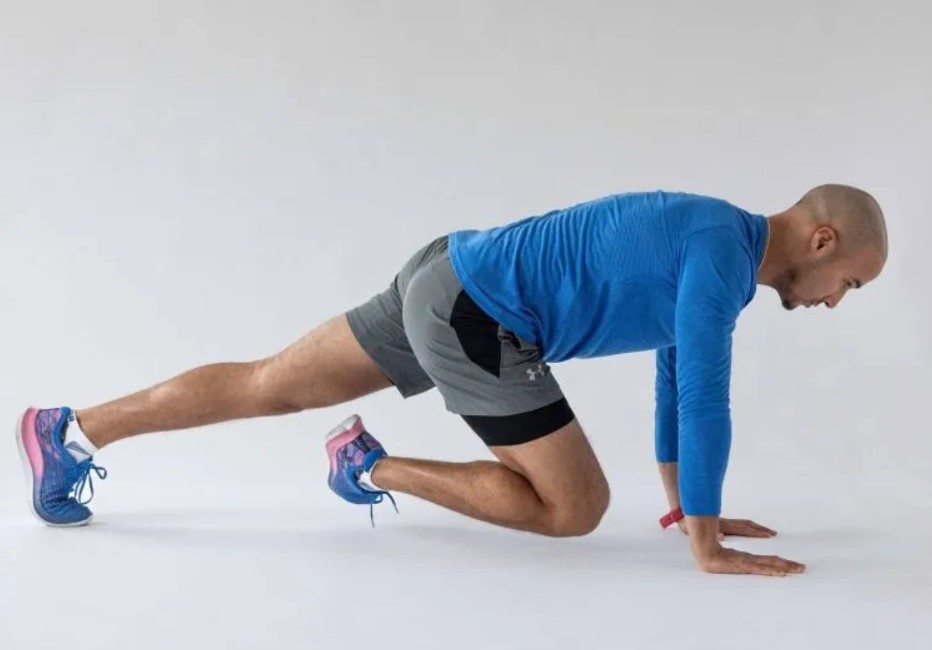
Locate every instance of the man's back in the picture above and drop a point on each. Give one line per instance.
(601, 277)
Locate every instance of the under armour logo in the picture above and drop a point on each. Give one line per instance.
(534, 373)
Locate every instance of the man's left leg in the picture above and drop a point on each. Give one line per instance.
(548, 479)
(553, 485)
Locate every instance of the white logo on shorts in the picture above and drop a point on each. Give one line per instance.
(534, 373)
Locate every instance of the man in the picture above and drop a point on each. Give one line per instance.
(480, 315)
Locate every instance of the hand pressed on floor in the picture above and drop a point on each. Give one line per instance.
(735, 528)
(705, 534)
(729, 560)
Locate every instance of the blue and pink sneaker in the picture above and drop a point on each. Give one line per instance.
(55, 479)
(353, 452)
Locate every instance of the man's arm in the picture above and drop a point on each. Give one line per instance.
(666, 443)
(666, 429)
(716, 273)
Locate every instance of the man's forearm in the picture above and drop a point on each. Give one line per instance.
(706, 538)
(706, 533)
(669, 476)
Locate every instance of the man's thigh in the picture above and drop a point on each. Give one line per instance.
(325, 367)
(564, 471)
(378, 326)
(499, 383)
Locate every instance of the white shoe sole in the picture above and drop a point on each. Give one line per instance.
(31, 480)
(343, 427)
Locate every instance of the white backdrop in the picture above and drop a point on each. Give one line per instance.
(200, 181)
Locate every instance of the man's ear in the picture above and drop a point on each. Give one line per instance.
(824, 241)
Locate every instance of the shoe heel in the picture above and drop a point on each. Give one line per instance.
(349, 424)
(28, 470)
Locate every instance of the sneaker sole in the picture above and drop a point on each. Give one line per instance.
(31, 480)
(346, 428)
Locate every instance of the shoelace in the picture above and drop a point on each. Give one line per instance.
(378, 499)
(85, 481)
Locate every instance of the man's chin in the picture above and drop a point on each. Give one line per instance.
(789, 305)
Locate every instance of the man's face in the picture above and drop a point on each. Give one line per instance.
(823, 276)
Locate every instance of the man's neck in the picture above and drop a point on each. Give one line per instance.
(778, 227)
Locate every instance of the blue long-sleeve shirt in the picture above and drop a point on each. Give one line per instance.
(629, 272)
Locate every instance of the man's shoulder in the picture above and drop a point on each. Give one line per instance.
(706, 212)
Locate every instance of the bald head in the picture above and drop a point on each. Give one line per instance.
(832, 240)
(853, 213)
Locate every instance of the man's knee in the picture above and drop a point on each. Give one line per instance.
(578, 519)
(273, 392)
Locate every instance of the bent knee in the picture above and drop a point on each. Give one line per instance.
(581, 518)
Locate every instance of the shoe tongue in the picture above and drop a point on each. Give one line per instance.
(78, 452)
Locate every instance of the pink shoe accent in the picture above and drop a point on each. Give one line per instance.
(27, 433)
(349, 429)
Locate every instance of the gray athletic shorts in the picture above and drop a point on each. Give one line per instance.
(425, 331)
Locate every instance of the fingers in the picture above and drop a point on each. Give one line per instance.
(745, 528)
(782, 563)
(753, 568)
(754, 531)
(732, 561)
(772, 564)
(769, 531)
(753, 564)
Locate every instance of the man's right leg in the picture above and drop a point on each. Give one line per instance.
(362, 351)
(326, 367)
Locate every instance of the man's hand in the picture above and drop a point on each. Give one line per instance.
(728, 560)
(712, 557)
(734, 527)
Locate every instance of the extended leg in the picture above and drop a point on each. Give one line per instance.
(325, 367)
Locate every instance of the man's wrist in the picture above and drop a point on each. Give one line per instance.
(703, 535)
(668, 475)
(674, 516)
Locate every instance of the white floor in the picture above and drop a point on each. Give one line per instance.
(289, 570)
